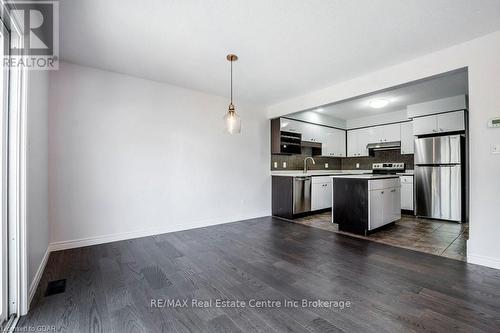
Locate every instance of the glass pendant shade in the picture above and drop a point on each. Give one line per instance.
(232, 122)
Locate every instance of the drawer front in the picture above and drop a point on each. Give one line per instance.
(378, 184)
(321, 179)
(406, 179)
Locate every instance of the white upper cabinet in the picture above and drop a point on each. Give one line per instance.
(352, 143)
(333, 142)
(357, 141)
(288, 125)
(425, 125)
(440, 123)
(451, 122)
(407, 138)
(385, 133)
(363, 141)
(391, 132)
(312, 133)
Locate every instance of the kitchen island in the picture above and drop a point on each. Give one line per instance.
(362, 204)
(297, 193)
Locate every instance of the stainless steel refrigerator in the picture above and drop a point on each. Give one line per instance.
(439, 177)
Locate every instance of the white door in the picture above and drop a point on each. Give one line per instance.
(372, 134)
(451, 122)
(4, 92)
(396, 204)
(334, 143)
(391, 132)
(340, 143)
(327, 141)
(288, 125)
(425, 125)
(406, 195)
(363, 140)
(388, 205)
(321, 196)
(352, 143)
(311, 132)
(407, 138)
(376, 214)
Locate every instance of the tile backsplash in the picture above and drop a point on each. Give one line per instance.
(296, 162)
(365, 163)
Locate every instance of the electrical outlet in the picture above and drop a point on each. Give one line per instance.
(275, 165)
(357, 165)
(326, 165)
(284, 165)
(495, 148)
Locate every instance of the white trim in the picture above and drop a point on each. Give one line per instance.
(11, 324)
(94, 240)
(483, 260)
(18, 245)
(23, 200)
(38, 276)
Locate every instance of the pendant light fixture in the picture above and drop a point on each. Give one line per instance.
(231, 119)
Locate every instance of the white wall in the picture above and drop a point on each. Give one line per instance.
(481, 56)
(131, 157)
(37, 174)
(318, 118)
(378, 119)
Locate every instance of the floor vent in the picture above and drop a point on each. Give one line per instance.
(55, 287)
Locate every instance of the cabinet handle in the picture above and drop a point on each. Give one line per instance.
(382, 192)
(393, 191)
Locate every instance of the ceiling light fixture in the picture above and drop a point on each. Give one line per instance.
(378, 103)
(231, 119)
(320, 110)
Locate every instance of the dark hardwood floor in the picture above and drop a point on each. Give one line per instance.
(110, 287)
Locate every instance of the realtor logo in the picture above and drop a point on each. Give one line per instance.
(38, 24)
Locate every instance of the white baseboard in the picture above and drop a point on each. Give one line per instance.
(87, 241)
(38, 276)
(483, 260)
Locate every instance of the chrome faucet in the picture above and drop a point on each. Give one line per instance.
(305, 162)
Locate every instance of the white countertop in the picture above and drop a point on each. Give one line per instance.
(365, 176)
(406, 173)
(297, 173)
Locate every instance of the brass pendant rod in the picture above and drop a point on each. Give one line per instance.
(231, 82)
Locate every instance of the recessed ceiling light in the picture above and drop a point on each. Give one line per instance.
(378, 103)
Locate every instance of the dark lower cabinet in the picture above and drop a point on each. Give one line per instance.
(282, 196)
(350, 205)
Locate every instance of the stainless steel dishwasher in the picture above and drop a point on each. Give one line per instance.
(301, 195)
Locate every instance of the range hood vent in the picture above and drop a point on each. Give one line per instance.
(384, 145)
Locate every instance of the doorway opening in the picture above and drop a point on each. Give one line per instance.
(414, 135)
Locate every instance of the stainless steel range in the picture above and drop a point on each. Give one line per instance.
(388, 168)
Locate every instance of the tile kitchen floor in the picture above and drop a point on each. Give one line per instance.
(447, 239)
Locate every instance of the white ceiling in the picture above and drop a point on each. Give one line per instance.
(286, 47)
(399, 98)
